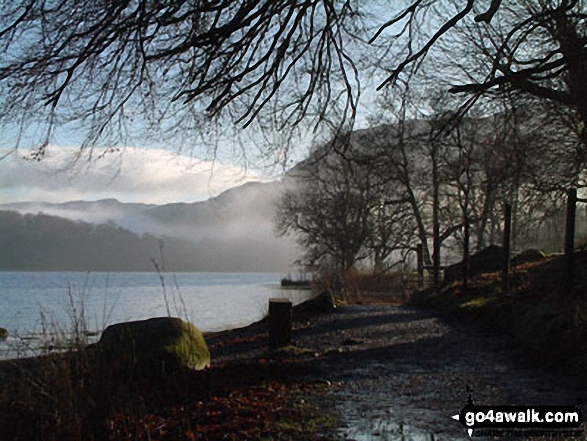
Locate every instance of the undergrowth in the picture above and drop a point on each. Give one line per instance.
(354, 287)
(72, 392)
(535, 313)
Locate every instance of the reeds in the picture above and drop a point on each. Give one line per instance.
(68, 390)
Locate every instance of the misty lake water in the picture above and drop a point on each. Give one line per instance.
(37, 306)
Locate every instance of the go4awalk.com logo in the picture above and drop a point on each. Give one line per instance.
(512, 419)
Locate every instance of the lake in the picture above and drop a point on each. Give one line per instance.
(40, 306)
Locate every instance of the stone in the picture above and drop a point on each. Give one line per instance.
(488, 260)
(321, 304)
(527, 256)
(163, 344)
(3, 333)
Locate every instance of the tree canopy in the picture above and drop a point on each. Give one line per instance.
(110, 66)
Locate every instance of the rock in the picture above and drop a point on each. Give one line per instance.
(163, 344)
(487, 260)
(3, 333)
(530, 255)
(320, 304)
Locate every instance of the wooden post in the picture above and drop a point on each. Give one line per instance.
(507, 226)
(570, 242)
(436, 257)
(279, 323)
(466, 254)
(420, 255)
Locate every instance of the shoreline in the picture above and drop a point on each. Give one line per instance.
(350, 367)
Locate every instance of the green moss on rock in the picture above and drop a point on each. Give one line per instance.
(164, 343)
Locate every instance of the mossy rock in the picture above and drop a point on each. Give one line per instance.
(162, 343)
(3, 333)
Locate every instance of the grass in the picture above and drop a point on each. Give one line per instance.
(535, 313)
(54, 400)
(78, 394)
(355, 287)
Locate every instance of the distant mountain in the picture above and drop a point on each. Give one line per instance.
(248, 209)
(100, 211)
(231, 232)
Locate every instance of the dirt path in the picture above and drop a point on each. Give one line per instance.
(399, 373)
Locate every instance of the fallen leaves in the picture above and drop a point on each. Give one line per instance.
(271, 410)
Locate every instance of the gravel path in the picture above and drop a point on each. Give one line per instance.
(398, 373)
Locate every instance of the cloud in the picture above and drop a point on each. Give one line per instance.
(133, 175)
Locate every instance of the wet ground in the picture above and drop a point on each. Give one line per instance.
(397, 373)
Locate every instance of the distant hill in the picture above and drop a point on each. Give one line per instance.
(100, 211)
(48, 243)
(231, 232)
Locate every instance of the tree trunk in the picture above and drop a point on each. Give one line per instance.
(435, 216)
(422, 235)
(466, 261)
(378, 264)
(485, 213)
(507, 224)
(569, 272)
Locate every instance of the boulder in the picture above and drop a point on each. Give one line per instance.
(487, 260)
(321, 304)
(530, 255)
(3, 333)
(163, 344)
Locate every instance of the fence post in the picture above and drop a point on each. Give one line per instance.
(279, 323)
(569, 271)
(507, 229)
(466, 254)
(436, 258)
(420, 256)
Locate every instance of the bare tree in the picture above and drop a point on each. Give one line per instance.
(344, 211)
(111, 67)
(531, 47)
(106, 68)
(391, 230)
(411, 153)
(327, 209)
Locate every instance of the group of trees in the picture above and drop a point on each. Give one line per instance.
(441, 169)
(425, 181)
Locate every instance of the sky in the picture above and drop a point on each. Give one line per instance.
(139, 175)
